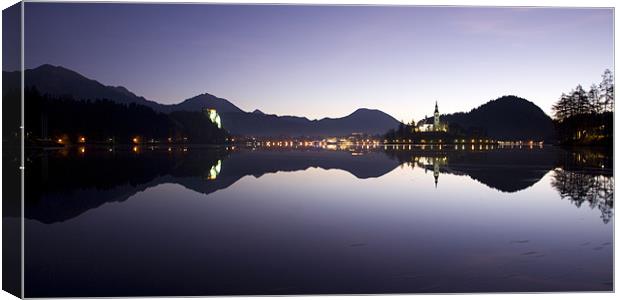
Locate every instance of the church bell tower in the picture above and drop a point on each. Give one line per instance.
(436, 121)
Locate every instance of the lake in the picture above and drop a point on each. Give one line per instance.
(142, 221)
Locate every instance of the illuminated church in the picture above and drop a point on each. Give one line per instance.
(432, 125)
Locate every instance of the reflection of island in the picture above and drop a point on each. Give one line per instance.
(432, 163)
(581, 176)
(506, 170)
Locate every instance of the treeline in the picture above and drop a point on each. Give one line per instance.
(408, 132)
(507, 118)
(586, 117)
(66, 120)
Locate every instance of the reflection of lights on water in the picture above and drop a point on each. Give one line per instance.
(82, 150)
(135, 149)
(215, 170)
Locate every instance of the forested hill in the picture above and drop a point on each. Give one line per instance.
(59, 82)
(506, 118)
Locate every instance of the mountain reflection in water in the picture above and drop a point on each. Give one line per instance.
(217, 221)
(65, 183)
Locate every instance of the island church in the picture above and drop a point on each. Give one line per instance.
(432, 125)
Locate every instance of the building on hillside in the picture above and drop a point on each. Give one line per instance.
(432, 124)
(212, 114)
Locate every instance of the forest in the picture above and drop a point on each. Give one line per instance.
(586, 117)
(64, 120)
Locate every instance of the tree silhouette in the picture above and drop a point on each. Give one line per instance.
(607, 90)
(102, 120)
(581, 187)
(586, 118)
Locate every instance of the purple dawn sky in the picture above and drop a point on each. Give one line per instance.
(326, 61)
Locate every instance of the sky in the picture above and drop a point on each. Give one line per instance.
(326, 61)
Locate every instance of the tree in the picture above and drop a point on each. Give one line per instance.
(401, 129)
(594, 98)
(586, 118)
(580, 98)
(607, 90)
(561, 109)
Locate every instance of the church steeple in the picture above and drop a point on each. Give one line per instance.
(436, 118)
(436, 169)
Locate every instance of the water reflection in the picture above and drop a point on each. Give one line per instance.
(215, 170)
(586, 176)
(597, 190)
(63, 185)
(504, 169)
(308, 220)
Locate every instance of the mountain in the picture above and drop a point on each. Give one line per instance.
(53, 198)
(369, 121)
(201, 101)
(59, 81)
(507, 118)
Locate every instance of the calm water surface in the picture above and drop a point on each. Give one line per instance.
(211, 221)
